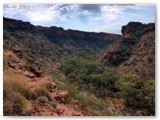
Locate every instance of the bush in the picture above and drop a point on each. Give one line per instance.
(43, 92)
(5, 62)
(139, 94)
(91, 75)
(42, 99)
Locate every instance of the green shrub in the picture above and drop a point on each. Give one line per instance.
(91, 75)
(5, 62)
(139, 94)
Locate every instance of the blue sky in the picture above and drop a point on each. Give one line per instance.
(86, 17)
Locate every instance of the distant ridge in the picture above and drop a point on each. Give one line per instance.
(48, 47)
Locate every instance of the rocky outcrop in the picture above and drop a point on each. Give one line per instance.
(92, 35)
(134, 52)
(17, 64)
(136, 29)
(129, 30)
(142, 59)
(28, 74)
(37, 72)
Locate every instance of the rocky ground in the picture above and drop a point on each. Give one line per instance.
(56, 106)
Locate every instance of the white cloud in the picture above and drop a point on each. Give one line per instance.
(85, 12)
(112, 9)
(116, 12)
(35, 15)
(39, 17)
(74, 7)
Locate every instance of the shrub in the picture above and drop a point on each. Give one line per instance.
(53, 105)
(5, 63)
(139, 94)
(43, 92)
(42, 99)
(91, 75)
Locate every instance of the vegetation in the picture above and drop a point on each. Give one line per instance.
(88, 75)
(15, 103)
(90, 87)
(42, 92)
(17, 97)
(139, 94)
(42, 99)
(90, 104)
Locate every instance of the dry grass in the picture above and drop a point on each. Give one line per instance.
(8, 53)
(17, 104)
(17, 94)
(44, 82)
(40, 91)
(11, 75)
(14, 82)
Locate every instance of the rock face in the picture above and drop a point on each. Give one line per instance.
(48, 47)
(37, 72)
(134, 52)
(134, 30)
(129, 30)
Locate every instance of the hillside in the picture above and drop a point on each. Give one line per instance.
(30, 92)
(49, 71)
(134, 52)
(48, 47)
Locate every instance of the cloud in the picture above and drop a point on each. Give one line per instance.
(86, 16)
(68, 11)
(90, 7)
(37, 13)
(117, 12)
(85, 12)
(112, 9)
(39, 17)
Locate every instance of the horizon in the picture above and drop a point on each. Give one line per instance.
(100, 18)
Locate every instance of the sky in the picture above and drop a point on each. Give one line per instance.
(86, 17)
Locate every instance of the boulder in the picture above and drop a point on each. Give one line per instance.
(28, 74)
(36, 72)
